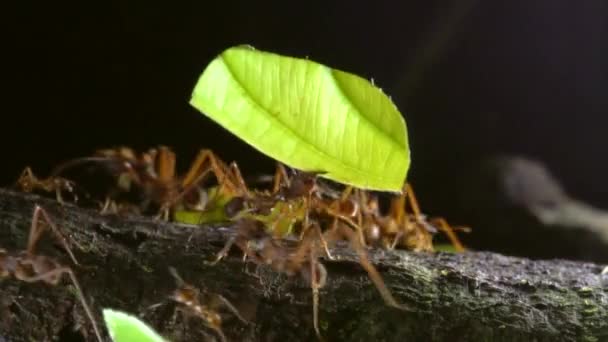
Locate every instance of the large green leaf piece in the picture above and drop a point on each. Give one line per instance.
(308, 116)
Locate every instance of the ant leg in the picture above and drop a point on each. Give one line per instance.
(443, 225)
(58, 195)
(334, 226)
(165, 164)
(409, 192)
(306, 208)
(280, 174)
(315, 284)
(400, 215)
(219, 332)
(36, 231)
(85, 306)
(303, 251)
(243, 190)
(230, 307)
(221, 254)
(199, 170)
(397, 210)
(346, 193)
(323, 241)
(447, 229)
(204, 163)
(396, 239)
(55, 275)
(362, 203)
(369, 267)
(356, 211)
(307, 201)
(164, 211)
(306, 249)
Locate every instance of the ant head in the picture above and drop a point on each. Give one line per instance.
(302, 184)
(186, 295)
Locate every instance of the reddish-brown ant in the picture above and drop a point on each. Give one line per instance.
(153, 175)
(28, 182)
(150, 174)
(189, 297)
(262, 248)
(29, 267)
(418, 226)
(400, 227)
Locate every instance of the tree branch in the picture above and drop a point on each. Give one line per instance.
(474, 296)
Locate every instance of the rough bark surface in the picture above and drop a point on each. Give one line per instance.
(474, 296)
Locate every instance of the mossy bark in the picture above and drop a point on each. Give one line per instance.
(474, 296)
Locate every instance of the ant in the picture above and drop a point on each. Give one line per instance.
(148, 175)
(189, 297)
(29, 267)
(291, 201)
(258, 245)
(28, 182)
(399, 228)
(153, 176)
(418, 224)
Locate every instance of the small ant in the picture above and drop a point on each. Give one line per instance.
(28, 267)
(189, 297)
(28, 182)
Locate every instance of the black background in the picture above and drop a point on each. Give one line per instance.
(473, 79)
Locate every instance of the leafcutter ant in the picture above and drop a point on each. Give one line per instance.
(153, 180)
(189, 297)
(29, 267)
(28, 182)
(400, 227)
(417, 225)
(301, 257)
(295, 258)
(147, 178)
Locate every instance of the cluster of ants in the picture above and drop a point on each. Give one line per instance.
(287, 224)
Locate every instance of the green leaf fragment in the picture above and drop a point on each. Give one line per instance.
(126, 328)
(200, 217)
(308, 116)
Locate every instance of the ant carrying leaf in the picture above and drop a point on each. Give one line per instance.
(30, 267)
(259, 246)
